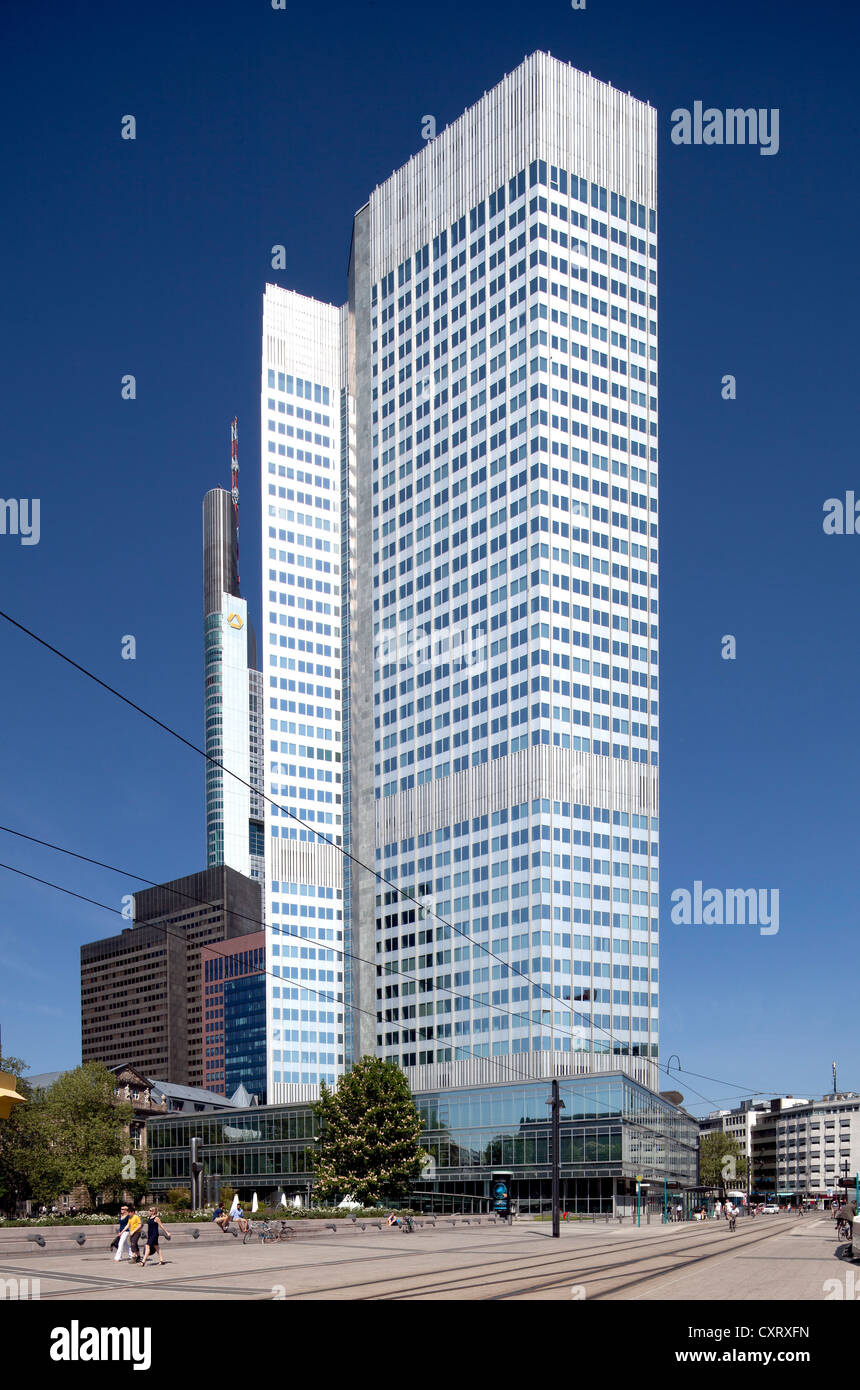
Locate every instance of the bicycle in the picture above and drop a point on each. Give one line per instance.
(265, 1232)
(844, 1230)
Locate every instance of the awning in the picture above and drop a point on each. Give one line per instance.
(8, 1094)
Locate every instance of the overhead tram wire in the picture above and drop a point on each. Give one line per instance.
(255, 921)
(244, 916)
(542, 990)
(283, 810)
(321, 995)
(283, 931)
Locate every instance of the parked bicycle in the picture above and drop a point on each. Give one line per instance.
(266, 1232)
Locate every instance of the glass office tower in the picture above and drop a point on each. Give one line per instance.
(234, 806)
(302, 435)
(504, 683)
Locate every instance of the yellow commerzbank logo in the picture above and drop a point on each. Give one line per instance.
(233, 620)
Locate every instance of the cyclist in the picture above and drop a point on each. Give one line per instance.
(844, 1218)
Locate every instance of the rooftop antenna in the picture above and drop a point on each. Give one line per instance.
(234, 482)
(834, 1078)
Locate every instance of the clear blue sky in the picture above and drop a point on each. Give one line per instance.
(257, 127)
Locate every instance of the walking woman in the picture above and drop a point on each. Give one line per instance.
(154, 1226)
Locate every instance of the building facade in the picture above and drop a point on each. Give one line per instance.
(503, 293)
(234, 1015)
(304, 430)
(485, 643)
(738, 1123)
(806, 1148)
(233, 689)
(613, 1131)
(141, 994)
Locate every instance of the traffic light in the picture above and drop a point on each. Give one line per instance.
(196, 1174)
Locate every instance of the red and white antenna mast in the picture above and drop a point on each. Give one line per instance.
(234, 480)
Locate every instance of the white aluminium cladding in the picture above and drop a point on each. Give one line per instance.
(505, 282)
(235, 740)
(543, 108)
(302, 689)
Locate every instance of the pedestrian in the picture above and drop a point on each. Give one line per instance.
(220, 1217)
(679, 1212)
(733, 1215)
(121, 1239)
(718, 1210)
(154, 1226)
(135, 1231)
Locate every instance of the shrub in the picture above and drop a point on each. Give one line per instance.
(179, 1198)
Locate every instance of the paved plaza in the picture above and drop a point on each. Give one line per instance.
(777, 1257)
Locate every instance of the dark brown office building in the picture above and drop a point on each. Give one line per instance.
(141, 995)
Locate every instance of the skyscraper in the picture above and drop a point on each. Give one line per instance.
(499, 352)
(234, 809)
(504, 297)
(302, 437)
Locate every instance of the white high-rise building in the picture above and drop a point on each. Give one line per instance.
(488, 400)
(504, 303)
(234, 809)
(301, 433)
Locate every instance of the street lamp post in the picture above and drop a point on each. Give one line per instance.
(557, 1104)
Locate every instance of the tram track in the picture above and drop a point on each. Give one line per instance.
(572, 1271)
(489, 1269)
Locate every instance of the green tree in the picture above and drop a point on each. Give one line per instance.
(369, 1129)
(16, 1142)
(722, 1162)
(83, 1133)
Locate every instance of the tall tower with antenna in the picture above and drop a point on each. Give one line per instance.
(233, 690)
(234, 482)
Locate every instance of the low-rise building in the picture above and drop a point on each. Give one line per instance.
(614, 1131)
